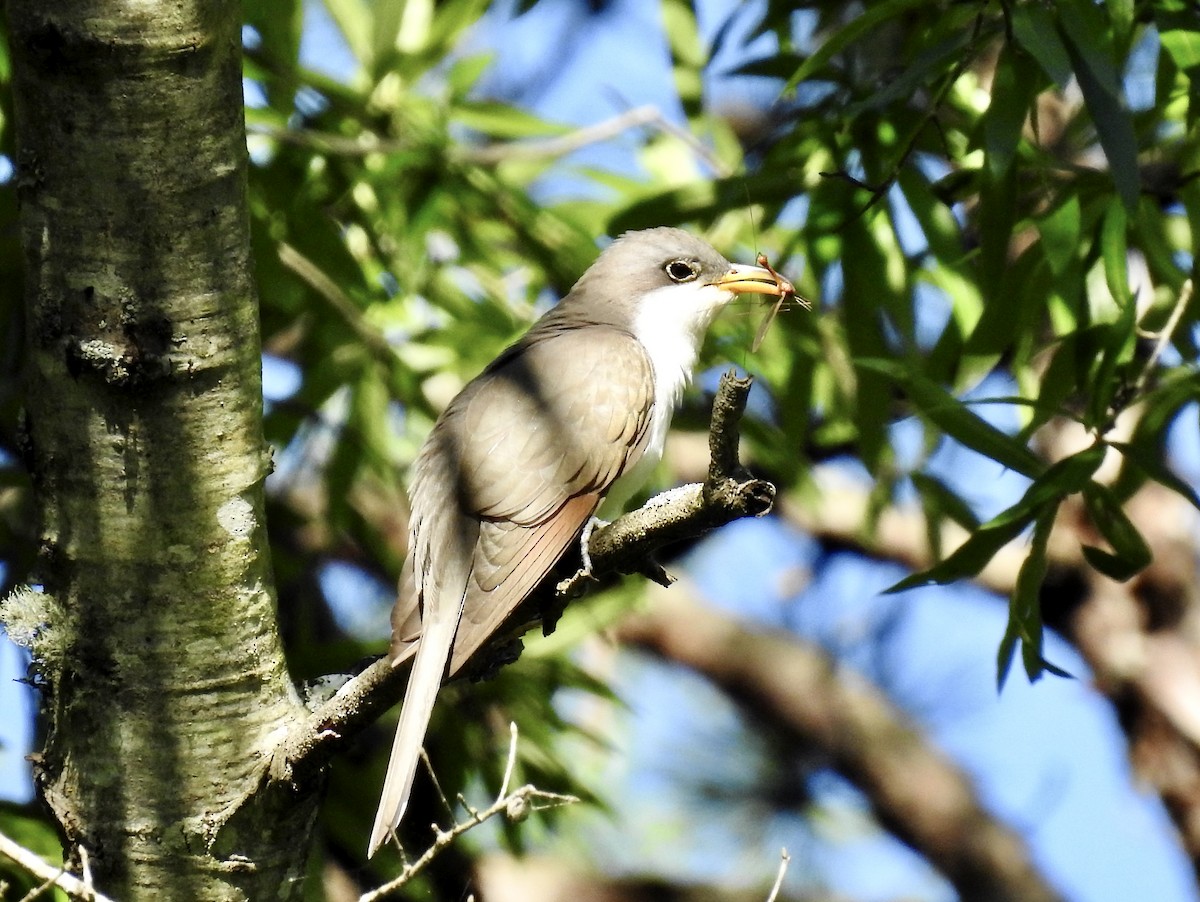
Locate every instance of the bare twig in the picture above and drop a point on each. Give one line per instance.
(784, 860)
(351, 314)
(515, 806)
(1163, 338)
(592, 134)
(330, 144)
(437, 784)
(50, 875)
(512, 760)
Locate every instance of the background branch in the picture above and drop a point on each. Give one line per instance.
(919, 795)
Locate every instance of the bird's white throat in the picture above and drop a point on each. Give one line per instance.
(670, 323)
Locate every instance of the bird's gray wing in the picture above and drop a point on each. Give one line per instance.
(558, 419)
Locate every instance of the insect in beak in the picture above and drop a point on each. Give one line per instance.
(787, 296)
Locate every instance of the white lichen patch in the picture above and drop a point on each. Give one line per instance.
(25, 613)
(236, 517)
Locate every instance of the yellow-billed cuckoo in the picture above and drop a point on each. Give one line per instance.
(574, 413)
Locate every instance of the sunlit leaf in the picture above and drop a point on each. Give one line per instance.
(956, 419)
(1065, 478)
(1115, 251)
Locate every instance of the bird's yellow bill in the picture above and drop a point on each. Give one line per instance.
(746, 279)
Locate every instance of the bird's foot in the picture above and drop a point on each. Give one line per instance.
(586, 537)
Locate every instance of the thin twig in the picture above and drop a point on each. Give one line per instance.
(562, 145)
(320, 282)
(592, 134)
(53, 876)
(437, 784)
(527, 795)
(511, 764)
(332, 145)
(784, 860)
(1130, 392)
(1164, 336)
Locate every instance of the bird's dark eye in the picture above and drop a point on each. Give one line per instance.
(681, 271)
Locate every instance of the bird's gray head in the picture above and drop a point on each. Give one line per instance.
(663, 280)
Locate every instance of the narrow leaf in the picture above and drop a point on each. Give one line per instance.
(1150, 464)
(945, 500)
(968, 559)
(1012, 90)
(956, 420)
(1131, 553)
(1115, 251)
(873, 15)
(1033, 27)
(1066, 477)
(1025, 606)
(1005, 654)
(1090, 49)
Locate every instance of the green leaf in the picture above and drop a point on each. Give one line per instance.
(942, 498)
(1183, 44)
(1066, 477)
(1130, 554)
(1120, 13)
(1033, 27)
(875, 14)
(1178, 31)
(1145, 460)
(465, 72)
(927, 66)
(777, 65)
(503, 121)
(1025, 607)
(1005, 654)
(1114, 250)
(1013, 89)
(956, 419)
(703, 201)
(354, 20)
(997, 219)
(1060, 229)
(868, 292)
(1117, 341)
(1090, 49)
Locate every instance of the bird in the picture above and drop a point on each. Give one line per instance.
(572, 415)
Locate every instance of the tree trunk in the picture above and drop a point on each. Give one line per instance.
(163, 679)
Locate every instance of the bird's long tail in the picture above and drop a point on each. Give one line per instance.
(428, 669)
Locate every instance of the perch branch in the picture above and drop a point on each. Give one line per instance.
(624, 546)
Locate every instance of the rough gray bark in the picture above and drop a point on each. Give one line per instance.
(163, 679)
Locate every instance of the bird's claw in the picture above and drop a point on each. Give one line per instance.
(584, 538)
